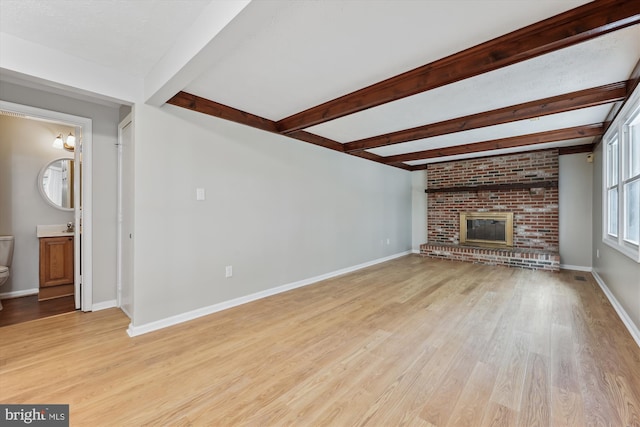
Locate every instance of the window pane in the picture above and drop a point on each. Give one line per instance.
(612, 214)
(632, 212)
(612, 163)
(634, 151)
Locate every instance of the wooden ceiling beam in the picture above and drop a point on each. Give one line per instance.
(573, 149)
(379, 159)
(553, 105)
(576, 149)
(212, 108)
(317, 140)
(566, 29)
(498, 144)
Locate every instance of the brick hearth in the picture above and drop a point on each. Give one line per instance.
(523, 258)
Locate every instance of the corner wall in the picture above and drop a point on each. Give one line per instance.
(620, 273)
(277, 210)
(418, 209)
(575, 205)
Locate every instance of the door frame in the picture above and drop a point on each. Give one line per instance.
(127, 121)
(83, 242)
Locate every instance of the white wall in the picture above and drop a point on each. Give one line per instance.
(575, 207)
(105, 137)
(418, 209)
(276, 209)
(620, 273)
(25, 147)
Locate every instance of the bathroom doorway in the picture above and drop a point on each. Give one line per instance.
(82, 207)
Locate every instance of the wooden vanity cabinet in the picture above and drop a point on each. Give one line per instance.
(56, 267)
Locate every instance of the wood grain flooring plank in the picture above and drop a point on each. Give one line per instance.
(502, 336)
(439, 406)
(511, 376)
(598, 408)
(407, 393)
(623, 397)
(567, 408)
(472, 403)
(534, 407)
(563, 359)
(497, 415)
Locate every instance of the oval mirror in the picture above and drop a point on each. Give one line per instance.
(55, 182)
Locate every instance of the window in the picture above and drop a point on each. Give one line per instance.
(621, 219)
(631, 183)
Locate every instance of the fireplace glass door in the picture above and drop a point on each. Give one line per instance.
(486, 228)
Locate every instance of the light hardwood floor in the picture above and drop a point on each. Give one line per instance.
(413, 341)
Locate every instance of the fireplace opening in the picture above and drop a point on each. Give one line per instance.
(493, 229)
(486, 229)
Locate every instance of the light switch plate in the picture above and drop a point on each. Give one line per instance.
(199, 193)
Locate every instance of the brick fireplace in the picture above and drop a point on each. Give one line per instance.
(524, 185)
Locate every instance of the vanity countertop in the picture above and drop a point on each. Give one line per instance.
(56, 230)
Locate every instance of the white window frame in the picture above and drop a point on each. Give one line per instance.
(611, 186)
(620, 130)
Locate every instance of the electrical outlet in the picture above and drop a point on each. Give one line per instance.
(228, 271)
(388, 241)
(200, 194)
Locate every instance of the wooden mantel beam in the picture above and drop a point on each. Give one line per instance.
(557, 104)
(497, 144)
(566, 29)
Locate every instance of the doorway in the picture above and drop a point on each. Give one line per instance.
(82, 213)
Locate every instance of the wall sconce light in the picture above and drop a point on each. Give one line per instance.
(58, 143)
(69, 144)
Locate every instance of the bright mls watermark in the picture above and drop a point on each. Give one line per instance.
(34, 415)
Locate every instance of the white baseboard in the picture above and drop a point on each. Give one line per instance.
(415, 251)
(576, 268)
(204, 311)
(18, 294)
(631, 327)
(97, 306)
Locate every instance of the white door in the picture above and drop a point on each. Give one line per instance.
(125, 216)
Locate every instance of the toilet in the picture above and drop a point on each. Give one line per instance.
(6, 255)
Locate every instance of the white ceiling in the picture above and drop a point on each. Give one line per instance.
(522, 127)
(304, 53)
(578, 67)
(274, 58)
(126, 35)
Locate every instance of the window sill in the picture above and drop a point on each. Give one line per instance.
(628, 250)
